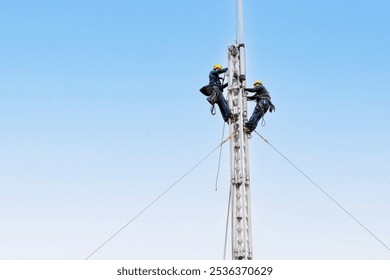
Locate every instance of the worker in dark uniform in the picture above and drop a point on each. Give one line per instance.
(216, 88)
(264, 104)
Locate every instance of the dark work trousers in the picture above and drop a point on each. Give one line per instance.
(223, 105)
(260, 109)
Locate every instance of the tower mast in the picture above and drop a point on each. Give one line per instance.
(239, 155)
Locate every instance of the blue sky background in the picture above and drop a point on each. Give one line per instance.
(100, 113)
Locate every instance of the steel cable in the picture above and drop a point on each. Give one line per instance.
(157, 198)
(324, 192)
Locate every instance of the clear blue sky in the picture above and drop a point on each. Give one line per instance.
(100, 113)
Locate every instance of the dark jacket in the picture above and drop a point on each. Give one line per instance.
(260, 92)
(214, 78)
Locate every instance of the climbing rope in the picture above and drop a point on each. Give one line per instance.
(219, 160)
(324, 192)
(227, 223)
(158, 197)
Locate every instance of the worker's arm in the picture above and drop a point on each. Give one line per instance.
(253, 97)
(250, 89)
(220, 71)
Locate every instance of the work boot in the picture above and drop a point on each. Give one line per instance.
(247, 129)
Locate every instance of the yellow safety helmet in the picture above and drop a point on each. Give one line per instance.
(217, 66)
(258, 82)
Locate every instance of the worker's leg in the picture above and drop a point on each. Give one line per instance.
(223, 107)
(254, 119)
(258, 113)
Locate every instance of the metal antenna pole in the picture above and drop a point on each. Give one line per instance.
(239, 156)
(240, 24)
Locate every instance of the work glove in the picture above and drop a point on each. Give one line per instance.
(272, 108)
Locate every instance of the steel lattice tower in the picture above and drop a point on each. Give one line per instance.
(239, 154)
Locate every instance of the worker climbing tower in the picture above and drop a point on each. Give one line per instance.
(239, 155)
